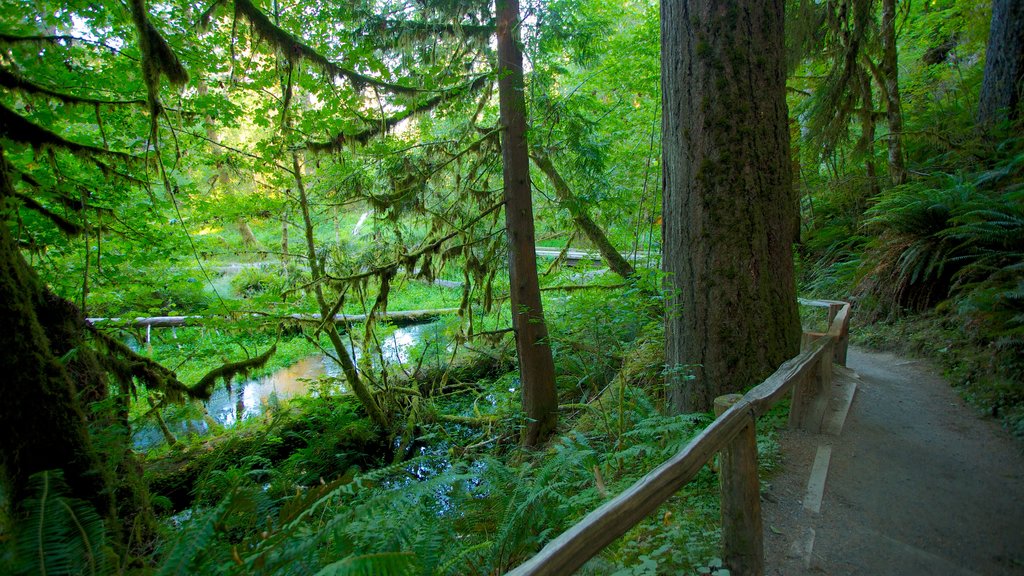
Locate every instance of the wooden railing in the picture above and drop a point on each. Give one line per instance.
(808, 376)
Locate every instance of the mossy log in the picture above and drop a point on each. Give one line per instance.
(398, 318)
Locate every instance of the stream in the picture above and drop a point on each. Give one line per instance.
(251, 398)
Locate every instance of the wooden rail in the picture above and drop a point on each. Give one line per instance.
(808, 377)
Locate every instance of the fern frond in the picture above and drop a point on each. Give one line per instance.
(59, 534)
(377, 564)
(196, 540)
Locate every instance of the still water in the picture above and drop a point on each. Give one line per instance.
(250, 398)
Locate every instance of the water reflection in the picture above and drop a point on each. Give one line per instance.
(250, 398)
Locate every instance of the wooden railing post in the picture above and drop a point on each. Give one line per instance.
(742, 537)
(842, 342)
(833, 310)
(810, 394)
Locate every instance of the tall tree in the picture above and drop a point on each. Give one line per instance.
(729, 209)
(890, 85)
(1004, 64)
(536, 366)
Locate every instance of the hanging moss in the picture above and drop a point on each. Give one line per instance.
(157, 59)
(292, 46)
(227, 371)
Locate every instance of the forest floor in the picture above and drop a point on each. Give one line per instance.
(916, 483)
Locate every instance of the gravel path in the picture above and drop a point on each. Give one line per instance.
(918, 484)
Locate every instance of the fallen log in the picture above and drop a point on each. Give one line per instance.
(398, 318)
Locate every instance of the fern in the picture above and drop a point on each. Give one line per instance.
(58, 534)
(376, 564)
(195, 542)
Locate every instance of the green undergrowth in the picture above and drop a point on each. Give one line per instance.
(936, 267)
(441, 512)
(314, 489)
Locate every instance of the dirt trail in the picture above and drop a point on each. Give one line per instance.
(918, 484)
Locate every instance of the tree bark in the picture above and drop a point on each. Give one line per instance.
(1004, 64)
(42, 422)
(536, 366)
(729, 209)
(867, 135)
(891, 93)
(590, 229)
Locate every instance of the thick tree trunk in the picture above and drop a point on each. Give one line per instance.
(536, 366)
(1004, 64)
(42, 424)
(729, 210)
(891, 92)
(590, 229)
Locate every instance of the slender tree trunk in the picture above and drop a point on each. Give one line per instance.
(867, 137)
(284, 242)
(729, 209)
(348, 367)
(162, 424)
(536, 366)
(591, 230)
(1004, 64)
(891, 91)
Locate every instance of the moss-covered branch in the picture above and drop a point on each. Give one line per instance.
(18, 129)
(13, 81)
(385, 125)
(288, 44)
(11, 39)
(66, 226)
(125, 363)
(229, 370)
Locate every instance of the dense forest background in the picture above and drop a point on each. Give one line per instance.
(260, 166)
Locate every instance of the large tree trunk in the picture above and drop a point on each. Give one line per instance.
(729, 210)
(590, 229)
(891, 92)
(1004, 64)
(42, 426)
(536, 366)
(52, 373)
